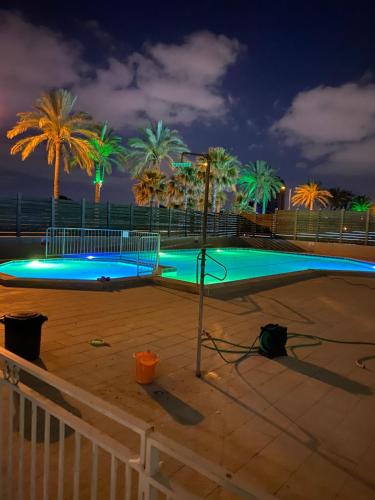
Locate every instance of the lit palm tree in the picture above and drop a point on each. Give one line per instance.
(341, 198)
(158, 143)
(190, 182)
(65, 132)
(224, 171)
(308, 194)
(174, 193)
(227, 177)
(241, 202)
(107, 151)
(260, 183)
(150, 188)
(361, 203)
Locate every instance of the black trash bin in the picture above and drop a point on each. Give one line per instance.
(23, 333)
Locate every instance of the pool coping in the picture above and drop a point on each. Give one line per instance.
(255, 284)
(66, 284)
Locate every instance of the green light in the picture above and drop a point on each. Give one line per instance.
(181, 164)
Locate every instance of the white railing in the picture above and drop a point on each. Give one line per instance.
(50, 448)
(141, 248)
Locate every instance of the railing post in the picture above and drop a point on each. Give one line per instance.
(367, 226)
(131, 216)
(169, 221)
(151, 215)
(151, 469)
(295, 224)
(53, 212)
(108, 214)
(186, 231)
(318, 224)
(83, 212)
(18, 214)
(341, 223)
(274, 222)
(255, 224)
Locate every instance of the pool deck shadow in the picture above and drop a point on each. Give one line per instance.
(324, 375)
(51, 394)
(178, 409)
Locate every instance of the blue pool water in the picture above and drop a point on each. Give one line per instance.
(247, 263)
(240, 264)
(72, 269)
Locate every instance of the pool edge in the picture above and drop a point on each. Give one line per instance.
(253, 285)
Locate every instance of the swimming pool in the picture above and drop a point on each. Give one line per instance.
(72, 269)
(248, 263)
(240, 264)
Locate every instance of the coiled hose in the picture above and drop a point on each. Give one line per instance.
(243, 351)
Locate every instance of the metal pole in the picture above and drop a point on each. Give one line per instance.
(367, 226)
(18, 214)
(289, 198)
(203, 267)
(342, 215)
(53, 212)
(295, 224)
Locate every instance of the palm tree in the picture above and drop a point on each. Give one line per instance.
(224, 171)
(65, 132)
(241, 202)
(361, 203)
(157, 143)
(260, 183)
(308, 194)
(150, 188)
(187, 178)
(174, 193)
(341, 198)
(107, 151)
(226, 181)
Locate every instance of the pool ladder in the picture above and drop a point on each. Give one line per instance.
(199, 259)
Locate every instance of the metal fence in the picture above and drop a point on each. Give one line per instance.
(27, 216)
(338, 226)
(51, 450)
(139, 247)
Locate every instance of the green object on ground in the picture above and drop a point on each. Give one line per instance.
(98, 343)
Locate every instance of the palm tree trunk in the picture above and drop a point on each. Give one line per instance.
(214, 195)
(57, 172)
(264, 205)
(98, 187)
(311, 205)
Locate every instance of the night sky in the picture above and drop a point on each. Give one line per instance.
(292, 83)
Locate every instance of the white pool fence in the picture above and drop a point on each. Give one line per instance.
(138, 247)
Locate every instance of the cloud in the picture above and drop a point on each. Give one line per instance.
(334, 126)
(33, 58)
(179, 83)
(301, 164)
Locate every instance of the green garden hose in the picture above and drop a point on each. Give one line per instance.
(243, 351)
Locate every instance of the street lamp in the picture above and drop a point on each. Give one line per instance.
(207, 164)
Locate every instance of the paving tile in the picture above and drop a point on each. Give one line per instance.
(299, 429)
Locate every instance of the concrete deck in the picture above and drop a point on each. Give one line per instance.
(300, 427)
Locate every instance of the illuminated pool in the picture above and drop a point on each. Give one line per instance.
(72, 269)
(239, 264)
(247, 263)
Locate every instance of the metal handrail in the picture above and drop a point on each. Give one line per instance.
(148, 481)
(199, 257)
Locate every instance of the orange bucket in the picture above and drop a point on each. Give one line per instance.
(145, 366)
